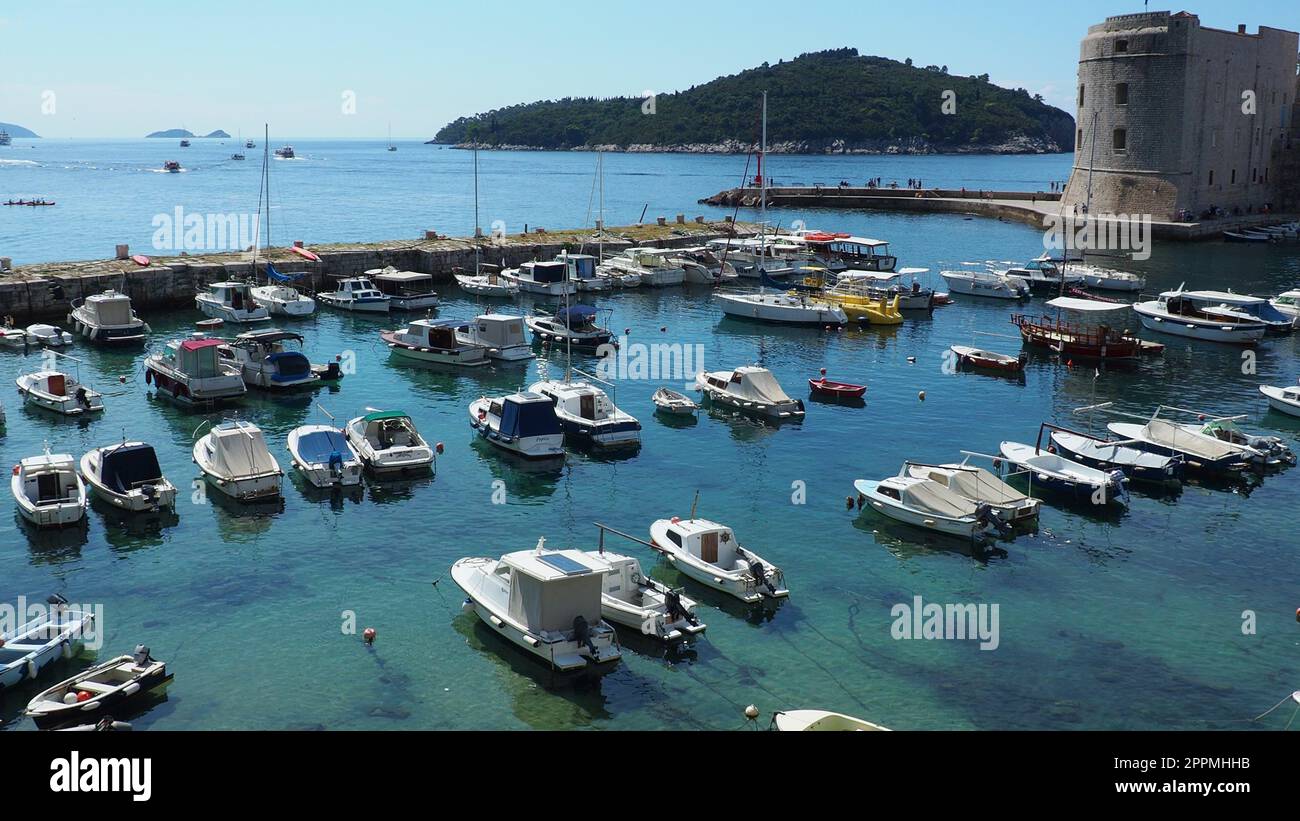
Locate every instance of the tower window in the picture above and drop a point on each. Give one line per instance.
(1233, 181)
(1121, 94)
(1081, 96)
(1121, 46)
(1078, 141)
(1121, 140)
(1211, 176)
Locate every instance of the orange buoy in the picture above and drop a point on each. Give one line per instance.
(82, 695)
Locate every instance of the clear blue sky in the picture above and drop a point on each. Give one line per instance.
(121, 70)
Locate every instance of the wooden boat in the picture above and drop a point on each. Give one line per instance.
(324, 457)
(522, 423)
(1071, 339)
(100, 691)
(234, 458)
(548, 602)
(1286, 400)
(59, 392)
(836, 390)
(48, 490)
(128, 476)
(141, 260)
(632, 599)
(388, 442)
(1244, 236)
(29, 648)
(820, 720)
(674, 403)
(709, 553)
(1047, 469)
(990, 360)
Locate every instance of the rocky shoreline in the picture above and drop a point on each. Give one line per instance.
(1021, 144)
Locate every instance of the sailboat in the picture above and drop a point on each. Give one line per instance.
(276, 296)
(481, 283)
(391, 147)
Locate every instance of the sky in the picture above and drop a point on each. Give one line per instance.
(80, 69)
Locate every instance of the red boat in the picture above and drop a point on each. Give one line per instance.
(839, 390)
(1091, 340)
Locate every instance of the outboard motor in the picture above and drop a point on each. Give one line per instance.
(985, 516)
(142, 656)
(336, 466)
(760, 577)
(1119, 482)
(582, 633)
(673, 604)
(82, 398)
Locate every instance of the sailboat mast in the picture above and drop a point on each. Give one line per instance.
(600, 235)
(266, 180)
(762, 187)
(477, 264)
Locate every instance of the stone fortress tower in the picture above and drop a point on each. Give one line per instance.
(1163, 126)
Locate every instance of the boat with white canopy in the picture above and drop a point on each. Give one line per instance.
(977, 485)
(127, 476)
(750, 389)
(927, 504)
(1242, 306)
(234, 458)
(107, 319)
(407, 290)
(1084, 329)
(1178, 314)
(548, 602)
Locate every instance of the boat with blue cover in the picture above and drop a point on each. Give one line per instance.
(521, 423)
(324, 457)
(273, 360)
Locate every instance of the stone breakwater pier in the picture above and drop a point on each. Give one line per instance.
(1023, 206)
(46, 290)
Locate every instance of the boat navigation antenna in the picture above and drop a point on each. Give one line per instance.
(541, 542)
(694, 503)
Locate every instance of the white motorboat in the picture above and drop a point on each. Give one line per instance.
(617, 278)
(926, 504)
(674, 403)
(547, 602)
(986, 283)
(324, 457)
(357, 294)
(191, 372)
(388, 442)
(283, 300)
(102, 690)
(59, 392)
(1045, 274)
(632, 599)
(977, 485)
(795, 309)
(107, 319)
(1106, 279)
(1266, 451)
(487, 284)
(1241, 306)
(11, 337)
(588, 415)
(273, 360)
(48, 490)
(127, 476)
(51, 336)
(501, 335)
(1285, 400)
(703, 267)
(286, 153)
(234, 458)
(522, 423)
(750, 389)
(1047, 469)
(824, 720)
(546, 278)
(407, 290)
(434, 341)
(575, 326)
(231, 302)
(582, 272)
(1287, 302)
(1108, 455)
(29, 648)
(1175, 313)
(709, 553)
(655, 268)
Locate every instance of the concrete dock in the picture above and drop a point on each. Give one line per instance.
(46, 290)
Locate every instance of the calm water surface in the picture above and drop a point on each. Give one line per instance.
(1130, 620)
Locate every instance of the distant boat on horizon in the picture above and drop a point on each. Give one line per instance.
(391, 147)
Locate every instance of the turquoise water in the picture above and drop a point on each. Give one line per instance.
(1131, 620)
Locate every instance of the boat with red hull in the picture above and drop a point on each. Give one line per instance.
(1093, 340)
(838, 390)
(990, 360)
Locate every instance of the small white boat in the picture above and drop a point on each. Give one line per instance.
(1201, 452)
(100, 691)
(1108, 455)
(234, 458)
(51, 336)
(48, 490)
(814, 720)
(1047, 469)
(231, 302)
(1286, 400)
(588, 415)
(501, 335)
(752, 390)
(107, 319)
(1178, 314)
(582, 272)
(434, 341)
(986, 283)
(575, 326)
(617, 278)
(1045, 274)
(273, 360)
(127, 476)
(926, 504)
(283, 300)
(546, 278)
(674, 403)
(547, 602)
(388, 442)
(11, 337)
(654, 266)
(632, 599)
(191, 372)
(29, 648)
(407, 290)
(709, 553)
(1287, 302)
(324, 456)
(59, 392)
(522, 423)
(487, 283)
(978, 485)
(782, 307)
(357, 294)
(1105, 279)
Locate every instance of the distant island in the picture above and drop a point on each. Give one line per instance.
(180, 133)
(826, 102)
(19, 131)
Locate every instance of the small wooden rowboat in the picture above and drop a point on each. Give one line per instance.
(839, 390)
(977, 358)
(209, 324)
(674, 403)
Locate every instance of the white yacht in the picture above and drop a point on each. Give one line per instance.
(48, 490)
(273, 360)
(284, 300)
(1285, 400)
(107, 319)
(524, 424)
(191, 372)
(587, 414)
(750, 389)
(652, 265)
(59, 392)
(487, 282)
(709, 553)
(434, 341)
(407, 290)
(231, 302)
(356, 294)
(986, 283)
(783, 308)
(234, 458)
(547, 602)
(127, 476)
(1287, 302)
(324, 457)
(388, 443)
(632, 599)
(546, 278)
(501, 335)
(1241, 306)
(1175, 313)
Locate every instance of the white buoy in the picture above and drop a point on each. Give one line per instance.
(751, 712)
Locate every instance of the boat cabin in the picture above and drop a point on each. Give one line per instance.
(236, 295)
(525, 414)
(705, 540)
(110, 310)
(196, 358)
(405, 284)
(495, 330)
(550, 590)
(431, 333)
(545, 272)
(581, 266)
(357, 288)
(856, 252)
(50, 479)
(578, 399)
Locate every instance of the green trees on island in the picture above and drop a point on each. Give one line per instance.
(828, 100)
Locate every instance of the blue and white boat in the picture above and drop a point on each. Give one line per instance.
(587, 414)
(1047, 469)
(1108, 455)
(29, 648)
(356, 294)
(521, 423)
(324, 457)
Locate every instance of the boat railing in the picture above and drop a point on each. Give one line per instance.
(1000, 462)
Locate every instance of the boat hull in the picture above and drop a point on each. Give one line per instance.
(791, 314)
(966, 527)
(1278, 402)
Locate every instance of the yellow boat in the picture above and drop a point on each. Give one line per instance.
(883, 311)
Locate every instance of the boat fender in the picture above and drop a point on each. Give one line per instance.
(32, 669)
(65, 649)
(81, 697)
(921, 396)
(69, 698)
(148, 377)
(848, 502)
(438, 447)
(368, 636)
